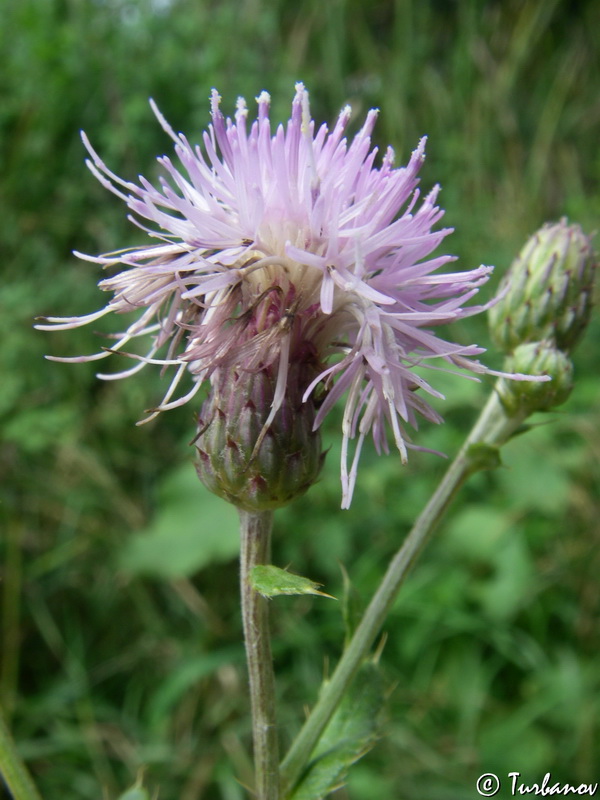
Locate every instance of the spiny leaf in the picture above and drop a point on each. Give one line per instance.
(351, 732)
(271, 581)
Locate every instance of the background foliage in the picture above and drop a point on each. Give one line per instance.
(120, 632)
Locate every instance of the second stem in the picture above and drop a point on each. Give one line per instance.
(493, 428)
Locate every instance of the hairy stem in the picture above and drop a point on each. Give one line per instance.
(12, 769)
(493, 428)
(255, 549)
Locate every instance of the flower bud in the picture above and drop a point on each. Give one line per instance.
(547, 291)
(536, 358)
(240, 459)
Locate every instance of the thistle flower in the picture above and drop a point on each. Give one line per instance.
(290, 247)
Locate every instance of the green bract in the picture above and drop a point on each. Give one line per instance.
(254, 465)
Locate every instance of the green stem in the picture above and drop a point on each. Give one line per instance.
(492, 428)
(13, 770)
(255, 549)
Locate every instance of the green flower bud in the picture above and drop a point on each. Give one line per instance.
(536, 358)
(548, 290)
(252, 466)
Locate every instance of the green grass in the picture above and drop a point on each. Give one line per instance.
(109, 664)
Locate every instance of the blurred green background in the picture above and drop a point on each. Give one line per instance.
(120, 631)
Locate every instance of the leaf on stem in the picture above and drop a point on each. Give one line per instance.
(351, 732)
(484, 456)
(270, 581)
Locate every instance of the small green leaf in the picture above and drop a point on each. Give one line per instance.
(351, 733)
(271, 581)
(484, 456)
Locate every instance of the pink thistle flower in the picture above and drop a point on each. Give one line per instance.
(290, 246)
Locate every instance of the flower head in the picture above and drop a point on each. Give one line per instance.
(536, 358)
(548, 291)
(287, 247)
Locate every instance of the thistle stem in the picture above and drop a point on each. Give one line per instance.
(12, 768)
(255, 531)
(492, 428)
